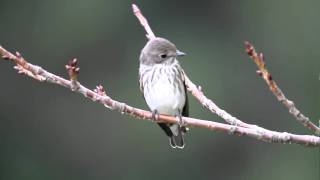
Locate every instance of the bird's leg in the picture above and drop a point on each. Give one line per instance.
(180, 120)
(155, 115)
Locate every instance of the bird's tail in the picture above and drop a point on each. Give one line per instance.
(176, 140)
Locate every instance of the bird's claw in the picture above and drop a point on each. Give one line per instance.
(155, 115)
(180, 121)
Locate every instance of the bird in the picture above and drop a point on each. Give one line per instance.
(162, 83)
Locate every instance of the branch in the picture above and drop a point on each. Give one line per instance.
(195, 90)
(211, 106)
(237, 127)
(143, 21)
(100, 96)
(264, 73)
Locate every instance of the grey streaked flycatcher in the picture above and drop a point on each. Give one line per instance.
(162, 83)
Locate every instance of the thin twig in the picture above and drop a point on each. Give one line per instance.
(143, 21)
(99, 95)
(210, 105)
(266, 75)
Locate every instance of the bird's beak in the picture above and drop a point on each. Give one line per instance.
(180, 53)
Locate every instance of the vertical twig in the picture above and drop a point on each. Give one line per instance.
(143, 21)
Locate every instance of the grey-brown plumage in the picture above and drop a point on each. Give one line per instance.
(162, 84)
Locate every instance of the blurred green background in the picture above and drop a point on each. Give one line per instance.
(48, 132)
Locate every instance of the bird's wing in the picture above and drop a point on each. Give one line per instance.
(140, 83)
(185, 110)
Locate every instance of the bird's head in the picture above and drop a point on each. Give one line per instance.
(159, 50)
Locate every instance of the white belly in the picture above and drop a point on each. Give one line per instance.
(164, 97)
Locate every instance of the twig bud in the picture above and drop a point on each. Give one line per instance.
(18, 55)
(5, 57)
(259, 72)
(261, 56)
(100, 90)
(249, 48)
(72, 69)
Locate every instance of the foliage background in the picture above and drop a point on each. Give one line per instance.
(48, 132)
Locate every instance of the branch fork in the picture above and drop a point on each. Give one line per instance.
(234, 126)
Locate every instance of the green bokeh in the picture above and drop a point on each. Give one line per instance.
(48, 132)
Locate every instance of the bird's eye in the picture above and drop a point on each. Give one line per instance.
(163, 56)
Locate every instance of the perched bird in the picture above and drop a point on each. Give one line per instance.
(162, 83)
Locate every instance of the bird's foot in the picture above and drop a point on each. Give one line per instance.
(155, 115)
(181, 122)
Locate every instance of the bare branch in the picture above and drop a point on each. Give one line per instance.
(143, 21)
(237, 127)
(99, 95)
(195, 90)
(210, 105)
(264, 73)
